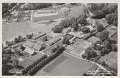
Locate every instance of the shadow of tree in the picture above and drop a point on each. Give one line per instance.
(6, 69)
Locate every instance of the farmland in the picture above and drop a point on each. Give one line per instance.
(66, 65)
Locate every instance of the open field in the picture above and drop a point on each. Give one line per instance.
(10, 31)
(68, 66)
(76, 11)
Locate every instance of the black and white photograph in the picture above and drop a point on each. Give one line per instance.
(59, 39)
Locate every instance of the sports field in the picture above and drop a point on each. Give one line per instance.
(65, 65)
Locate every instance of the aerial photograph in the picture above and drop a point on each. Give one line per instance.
(59, 39)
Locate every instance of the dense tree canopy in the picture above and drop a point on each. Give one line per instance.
(112, 19)
(101, 10)
(104, 35)
(75, 26)
(114, 48)
(90, 53)
(100, 27)
(82, 20)
(57, 29)
(66, 41)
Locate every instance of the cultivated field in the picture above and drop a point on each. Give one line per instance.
(65, 65)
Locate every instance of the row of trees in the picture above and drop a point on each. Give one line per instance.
(46, 61)
(29, 67)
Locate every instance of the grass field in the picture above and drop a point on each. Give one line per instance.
(69, 66)
(76, 11)
(10, 31)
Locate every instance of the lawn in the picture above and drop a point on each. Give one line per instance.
(46, 18)
(81, 43)
(93, 39)
(65, 65)
(76, 11)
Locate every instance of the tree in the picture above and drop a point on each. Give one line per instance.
(54, 49)
(57, 29)
(97, 46)
(107, 44)
(82, 20)
(7, 43)
(112, 19)
(19, 38)
(85, 30)
(114, 48)
(100, 27)
(66, 41)
(16, 63)
(63, 24)
(90, 53)
(29, 36)
(75, 26)
(45, 38)
(104, 51)
(16, 40)
(104, 35)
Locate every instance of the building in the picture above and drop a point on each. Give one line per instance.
(38, 35)
(32, 46)
(54, 40)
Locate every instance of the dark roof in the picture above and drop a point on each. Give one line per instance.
(54, 40)
(38, 35)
